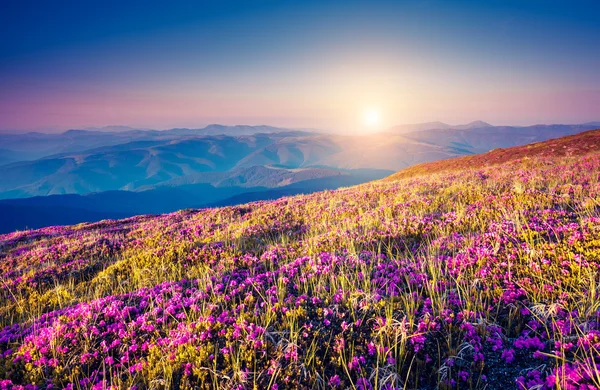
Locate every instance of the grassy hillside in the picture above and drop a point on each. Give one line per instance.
(573, 145)
(486, 277)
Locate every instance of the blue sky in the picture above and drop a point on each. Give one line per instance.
(70, 64)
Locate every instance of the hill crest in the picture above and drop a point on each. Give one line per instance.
(571, 145)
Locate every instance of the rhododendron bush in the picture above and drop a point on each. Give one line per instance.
(470, 279)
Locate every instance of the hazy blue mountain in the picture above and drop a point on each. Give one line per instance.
(401, 129)
(33, 145)
(480, 140)
(472, 125)
(216, 129)
(404, 129)
(429, 126)
(135, 165)
(592, 124)
(114, 129)
(8, 156)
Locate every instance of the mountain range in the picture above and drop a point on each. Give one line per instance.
(92, 174)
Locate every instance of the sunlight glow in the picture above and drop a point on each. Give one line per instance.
(371, 118)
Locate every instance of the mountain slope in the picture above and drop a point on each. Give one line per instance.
(574, 145)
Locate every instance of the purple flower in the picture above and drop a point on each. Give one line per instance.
(508, 355)
(335, 381)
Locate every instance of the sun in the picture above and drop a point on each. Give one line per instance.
(371, 118)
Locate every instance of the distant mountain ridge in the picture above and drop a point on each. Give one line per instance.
(479, 124)
(34, 145)
(402, 129)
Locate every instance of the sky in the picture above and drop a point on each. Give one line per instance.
(339, 65)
